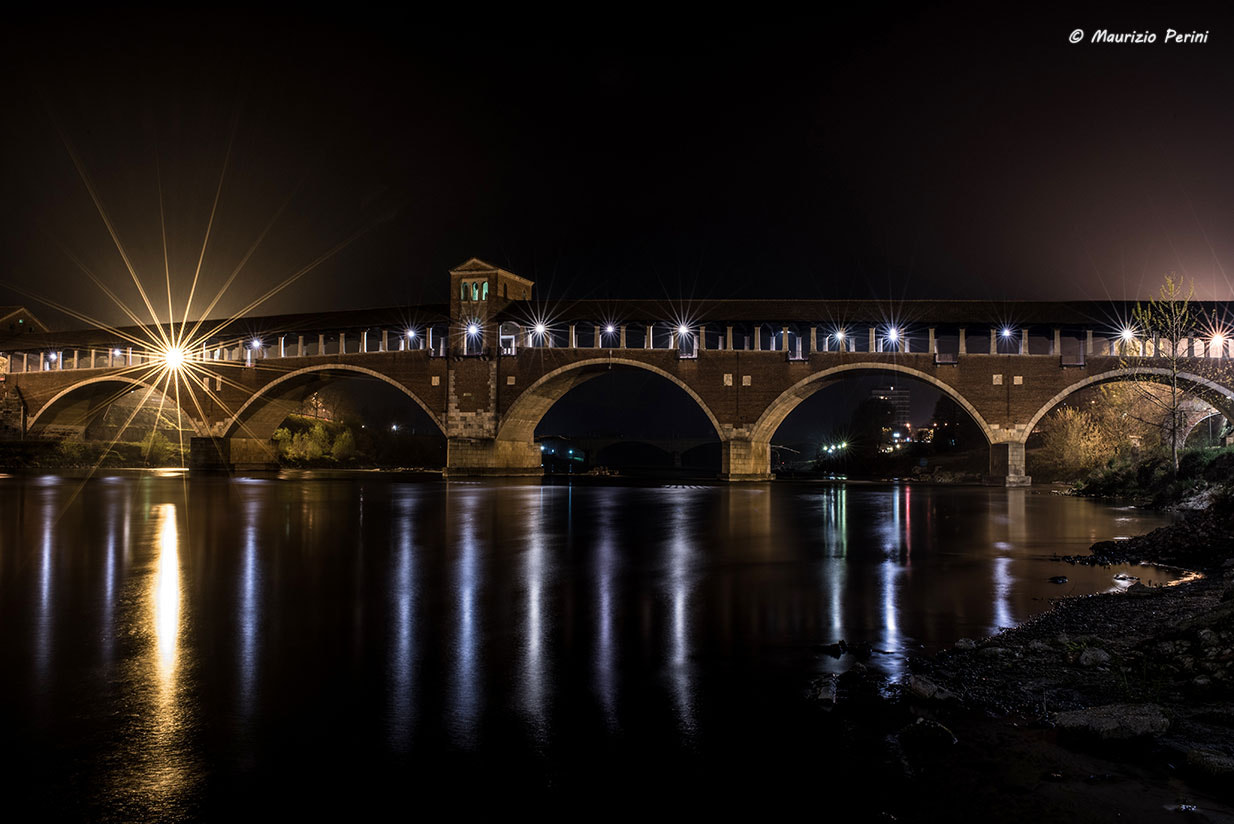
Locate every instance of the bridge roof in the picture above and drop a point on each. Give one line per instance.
(972, 313)
(339, 320)
(975, 314)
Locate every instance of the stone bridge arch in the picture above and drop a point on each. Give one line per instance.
(514, 451)
(747, 454)
(1194, 422)
(520, 420)
(1220, 397)
(261, 414)
(791, 398)
(74, 407)
(250, 429)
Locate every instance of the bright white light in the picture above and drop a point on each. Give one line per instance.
(844, 445)
(840, 335)
(174, 357)
(609, 329)
(541, 328)
(393, 427)
(473, 329)
(411, 333)
(893, 334)
(255, 343)
(117, 352)
(683, 330)
(52, 356)
(1218, 340)
(1006, 331)
(1127, 334)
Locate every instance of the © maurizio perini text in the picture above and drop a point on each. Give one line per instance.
(1171, 36)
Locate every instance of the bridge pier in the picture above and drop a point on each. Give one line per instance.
(471, 457)
(209, 454)
(1007, 465)
(745, 460)
(231, 454)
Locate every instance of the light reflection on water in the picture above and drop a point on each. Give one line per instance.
(467, 686)
(165, 607)
(403, 595)
(332, 622)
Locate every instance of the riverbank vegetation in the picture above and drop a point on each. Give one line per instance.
(306, 441)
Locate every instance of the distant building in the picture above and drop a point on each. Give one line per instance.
(899, 400)
(17, 320)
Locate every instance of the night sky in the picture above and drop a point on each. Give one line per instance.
(944, 151)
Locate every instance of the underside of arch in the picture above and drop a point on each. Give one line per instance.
(71, 411)
(1194, 423)
(520, 422)
(791, 398)
(269, 406)
(1219, 397)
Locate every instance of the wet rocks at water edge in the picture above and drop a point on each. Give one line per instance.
(925, 736)
(1093, 657)
(1114, 722)
(861, 650)
(1202, 541)
(922, 687)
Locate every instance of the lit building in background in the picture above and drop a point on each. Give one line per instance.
(900, 432)
(899, 399)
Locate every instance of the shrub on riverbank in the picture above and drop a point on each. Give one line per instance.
(1153, 480)
(40, 455)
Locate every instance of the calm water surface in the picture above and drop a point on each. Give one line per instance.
(178, 648)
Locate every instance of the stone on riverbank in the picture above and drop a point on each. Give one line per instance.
(1115, 722)
(1094, 657)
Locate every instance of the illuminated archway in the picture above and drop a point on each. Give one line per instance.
(791, 398)
(520, 421)
(1191, 381)
(269, 406)
(75, 406)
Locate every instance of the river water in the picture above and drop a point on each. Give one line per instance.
(209, 647)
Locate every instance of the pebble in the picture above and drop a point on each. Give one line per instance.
(993, 652)
(926, 734)
(1211, 764)
(1094, 657)
(1115, 722)
(923, 687)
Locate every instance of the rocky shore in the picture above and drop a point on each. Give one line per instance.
(1109, 707)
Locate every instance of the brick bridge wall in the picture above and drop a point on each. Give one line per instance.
(488, 407)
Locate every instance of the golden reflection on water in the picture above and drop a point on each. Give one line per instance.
(159, 773)
(165, 599)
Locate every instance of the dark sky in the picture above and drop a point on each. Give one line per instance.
(953, 151)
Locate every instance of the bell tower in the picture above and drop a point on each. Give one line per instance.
(478, 291)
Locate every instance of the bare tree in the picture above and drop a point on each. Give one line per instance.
(1163, 337)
